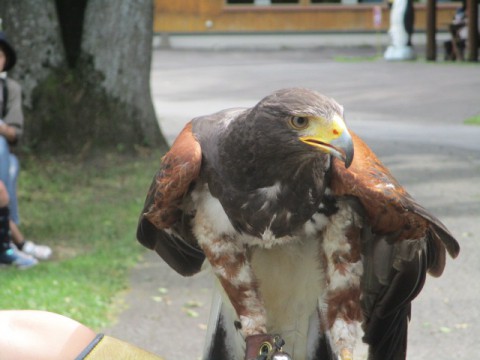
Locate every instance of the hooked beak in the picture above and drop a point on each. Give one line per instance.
(333, 139)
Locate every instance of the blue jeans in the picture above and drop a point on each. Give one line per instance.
(9, 169)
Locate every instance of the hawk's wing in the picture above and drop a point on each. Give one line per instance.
(401, 242)
(164, 224)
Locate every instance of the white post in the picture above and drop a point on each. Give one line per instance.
(400, 48)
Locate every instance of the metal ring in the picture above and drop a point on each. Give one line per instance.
(265, 348)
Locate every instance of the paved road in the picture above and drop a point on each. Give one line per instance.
(411, 113)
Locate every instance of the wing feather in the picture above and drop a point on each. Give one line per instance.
(401, 243)
(164, 225)
(390, 209)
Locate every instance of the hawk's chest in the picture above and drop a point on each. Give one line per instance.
(260, 219)
(276, 205)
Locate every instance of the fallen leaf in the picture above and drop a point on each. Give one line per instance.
(192, 313)
(445, 329)
(193, 304)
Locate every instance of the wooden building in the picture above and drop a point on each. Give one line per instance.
(273, 16)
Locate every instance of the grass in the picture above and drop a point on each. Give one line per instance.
(474, 120)
(87, 212)
(356, 59)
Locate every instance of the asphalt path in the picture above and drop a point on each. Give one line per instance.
(410, 113)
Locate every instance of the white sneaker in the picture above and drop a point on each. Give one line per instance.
(15, 257)
(42, 252)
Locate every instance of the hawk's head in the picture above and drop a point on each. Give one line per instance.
(299, 120)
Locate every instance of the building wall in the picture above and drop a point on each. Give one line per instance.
(215, 16)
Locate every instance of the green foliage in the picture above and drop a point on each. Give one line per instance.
(474, 120)
(88, 213)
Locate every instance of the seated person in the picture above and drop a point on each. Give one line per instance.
(11, 127)
(455, 48)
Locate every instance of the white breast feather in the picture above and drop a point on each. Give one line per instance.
(300, 271)
(289, 270)
(210, 213)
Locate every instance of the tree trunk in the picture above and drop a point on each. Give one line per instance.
(85, 69)
(32, 29)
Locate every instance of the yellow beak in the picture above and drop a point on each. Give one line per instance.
(331, 137)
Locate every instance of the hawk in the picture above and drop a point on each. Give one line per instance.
(310, 244)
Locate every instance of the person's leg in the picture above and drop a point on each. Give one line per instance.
(38, 335)
(9, 256)
(4, 220)
(41, 252)
(13, 171)
(4, 161)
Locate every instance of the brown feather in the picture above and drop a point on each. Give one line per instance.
(179, 168)
(390, 209)
(384, 199)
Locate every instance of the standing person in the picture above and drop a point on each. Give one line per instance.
(11, 128)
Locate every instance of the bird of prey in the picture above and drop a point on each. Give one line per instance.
(312, 246)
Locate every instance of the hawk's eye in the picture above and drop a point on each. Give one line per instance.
(299, 122)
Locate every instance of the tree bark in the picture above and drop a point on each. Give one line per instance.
(85, 70)
(32, 29)
(118, 37)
